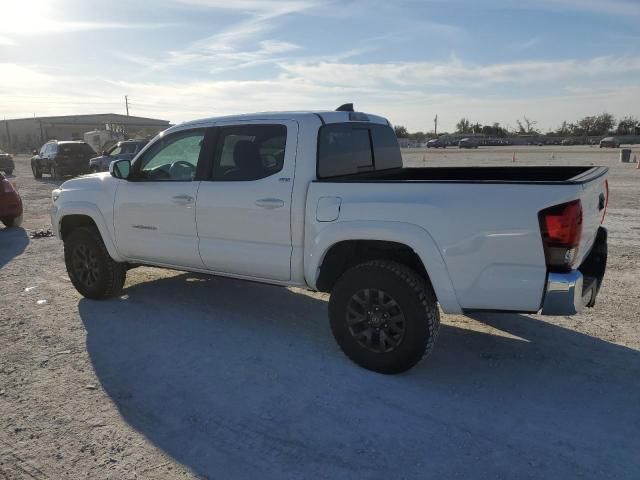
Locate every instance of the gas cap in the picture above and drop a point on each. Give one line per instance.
(328, 209)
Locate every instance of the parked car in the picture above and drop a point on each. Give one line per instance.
(569, 141)
(62, 158)
(468, 143)
(437, 143)
(125, 150)
(609, 142)
(10, 204)
(6, 163)
(297, 199)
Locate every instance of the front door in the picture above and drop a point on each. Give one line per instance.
(244, 209)
(155, 211)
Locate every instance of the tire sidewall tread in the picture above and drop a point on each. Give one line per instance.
(417, 300)
(113, 274)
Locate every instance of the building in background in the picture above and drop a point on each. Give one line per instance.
(21, 135)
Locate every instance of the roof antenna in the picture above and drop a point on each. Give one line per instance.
(347, 107)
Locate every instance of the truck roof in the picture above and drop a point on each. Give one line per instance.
(324, 116)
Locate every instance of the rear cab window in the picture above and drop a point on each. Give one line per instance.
(75, 148)
(355, 147)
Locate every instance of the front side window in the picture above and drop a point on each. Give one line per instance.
(249, 152)
(115, 151)
(174, 158)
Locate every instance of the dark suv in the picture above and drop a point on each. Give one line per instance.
(62, 158)
(6, 163)
(124, 150)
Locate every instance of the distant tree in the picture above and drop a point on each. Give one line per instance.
(628, 126)
(527, 126)
(563, 130)
(417, 136)
(463, 126)
(604, 123)
(401, 132)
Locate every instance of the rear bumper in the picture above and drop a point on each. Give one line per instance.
(569, 293)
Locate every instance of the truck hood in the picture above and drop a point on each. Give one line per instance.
(96, 188)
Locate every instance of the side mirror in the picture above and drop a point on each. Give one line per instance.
(34, 151)
(105, 153)
(120, 169)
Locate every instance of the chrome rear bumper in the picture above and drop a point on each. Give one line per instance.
(569, 293)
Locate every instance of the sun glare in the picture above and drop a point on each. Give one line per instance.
(22, 16)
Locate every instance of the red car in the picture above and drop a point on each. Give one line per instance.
(10, 204)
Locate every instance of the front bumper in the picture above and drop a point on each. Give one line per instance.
(569, 293)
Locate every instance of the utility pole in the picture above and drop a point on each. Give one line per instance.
(435, 121)
(126, 103)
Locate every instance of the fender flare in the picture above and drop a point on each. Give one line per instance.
(89, 210)
(413, 236)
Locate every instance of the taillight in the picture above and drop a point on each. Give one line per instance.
(606, 200)
(561, 228)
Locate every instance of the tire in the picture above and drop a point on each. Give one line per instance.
(37, 172)
(12, 222)
(406, 297)
(9, 172)
(90, 267)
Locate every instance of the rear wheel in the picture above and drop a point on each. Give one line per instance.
(384, 316)
(12, 222)
(90, 267)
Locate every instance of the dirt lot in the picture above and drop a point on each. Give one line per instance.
(186, 376)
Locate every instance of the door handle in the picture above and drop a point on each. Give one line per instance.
(270, 203)
(182, 199)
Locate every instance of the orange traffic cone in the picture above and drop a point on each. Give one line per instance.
(513, 159)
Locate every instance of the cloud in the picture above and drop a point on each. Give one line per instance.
(6, 41)
(457, 73)
(42, 27)
(264, 8)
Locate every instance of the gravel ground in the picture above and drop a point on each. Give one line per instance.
(186, 376)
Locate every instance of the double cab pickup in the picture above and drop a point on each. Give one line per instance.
(322, 200)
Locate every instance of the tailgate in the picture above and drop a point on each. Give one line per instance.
(594, 198)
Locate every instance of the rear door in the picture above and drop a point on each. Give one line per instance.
(155, 214)
(244, 209)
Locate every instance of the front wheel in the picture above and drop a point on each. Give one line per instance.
(37, 173)
(384, 316)
(90, 267)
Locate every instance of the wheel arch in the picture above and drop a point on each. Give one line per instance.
(82, 214)
(338, 246)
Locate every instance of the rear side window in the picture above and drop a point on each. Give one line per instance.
(249, 152)
(348, 148)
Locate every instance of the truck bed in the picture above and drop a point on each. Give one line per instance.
(537, 174)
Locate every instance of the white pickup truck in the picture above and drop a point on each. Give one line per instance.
(322, 200)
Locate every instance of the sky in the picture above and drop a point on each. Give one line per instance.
(408, 60)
